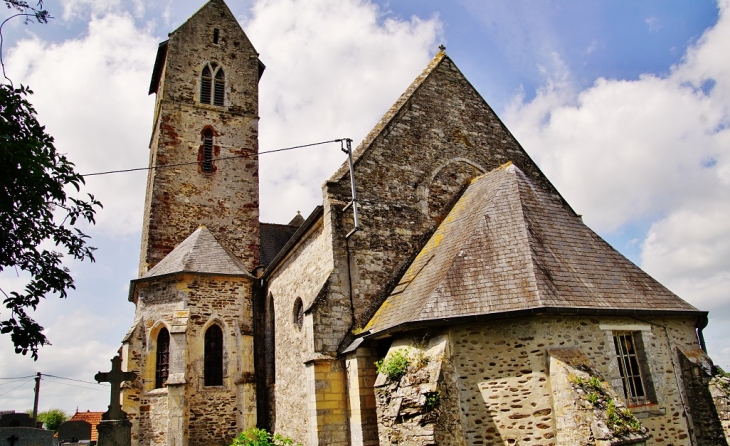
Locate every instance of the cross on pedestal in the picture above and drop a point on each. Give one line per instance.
(115, 377)
(12, 439)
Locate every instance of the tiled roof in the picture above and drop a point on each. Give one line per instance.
(508, 246)
(274, 237)
(93, 418)
(199, 253)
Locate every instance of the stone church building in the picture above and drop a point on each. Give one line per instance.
(494, 314)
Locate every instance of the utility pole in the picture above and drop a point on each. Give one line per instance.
(35, 403)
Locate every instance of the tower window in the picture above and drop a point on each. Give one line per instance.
(220, 86)
(207, 161)
(162, 363)
(213, 356)
(212, 85)
(216, 35)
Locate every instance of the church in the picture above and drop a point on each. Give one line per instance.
(458, 300)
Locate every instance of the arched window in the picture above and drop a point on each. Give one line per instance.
(207, 158)
(220, 87)
(213, 356)
(162, 363)
(206, 83)
(270, 341)
(213, 85)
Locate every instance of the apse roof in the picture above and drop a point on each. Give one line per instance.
(199, 253)
(507, 246)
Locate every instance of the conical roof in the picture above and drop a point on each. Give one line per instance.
(199, 253)
(508, 246)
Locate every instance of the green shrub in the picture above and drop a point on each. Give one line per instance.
(394, 365)
(432, 400)
(261, 437)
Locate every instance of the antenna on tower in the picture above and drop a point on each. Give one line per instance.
(346, 146)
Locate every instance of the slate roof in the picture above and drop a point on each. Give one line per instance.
(199, 253)
(274, 237)
(93, 418)
(507, 246)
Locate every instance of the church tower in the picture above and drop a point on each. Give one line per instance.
(191, 343)
(205, 139)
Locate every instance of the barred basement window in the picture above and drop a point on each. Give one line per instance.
(213, 85)
(213, 356)
(631, 363)
(162, 364)
(207, 161)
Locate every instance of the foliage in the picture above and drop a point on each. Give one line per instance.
(35, 211)
(51, 418)
(621, 421)
(260, 437)
(30, 12)
(394, 366)
(433, 399)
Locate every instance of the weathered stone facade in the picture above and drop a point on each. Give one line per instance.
(506, 392)
(181, 198)
(467, 261)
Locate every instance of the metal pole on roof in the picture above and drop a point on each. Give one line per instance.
(353, 203)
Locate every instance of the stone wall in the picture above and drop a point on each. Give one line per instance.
(300, 276)
(409, 170)
(187, 305)
(180, 199)
(502, 377)
(507, 398)
(720, 391)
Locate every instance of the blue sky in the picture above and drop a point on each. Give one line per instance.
(625, 105)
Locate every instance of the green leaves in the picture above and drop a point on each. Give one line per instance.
(35, 211)
(261, 437)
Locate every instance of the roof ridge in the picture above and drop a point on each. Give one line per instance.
(391, 113)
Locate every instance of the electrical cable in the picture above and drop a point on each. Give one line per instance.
(213, 160)
(15, 388)
(74, 385)
(71, 379)
(21, 377)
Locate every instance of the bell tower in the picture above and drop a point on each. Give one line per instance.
(204, 142)
(191, 343)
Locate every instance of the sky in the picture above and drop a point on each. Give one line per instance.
(624, 105)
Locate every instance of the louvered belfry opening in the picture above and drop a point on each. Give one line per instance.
(206, 83)
(213, 85)
(207, 163)
(162, 364)
(213, 356)
(220, 87)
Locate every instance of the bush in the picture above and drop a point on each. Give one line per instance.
(394, 366)
(261, 437)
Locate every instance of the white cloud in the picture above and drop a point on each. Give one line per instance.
(90, 93)
(333, 69)
(654, 150)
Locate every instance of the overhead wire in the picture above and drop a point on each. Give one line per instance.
(167, 166)
(71, 379)
(75, 385)
(18, 387)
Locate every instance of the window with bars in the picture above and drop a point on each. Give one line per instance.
(207, 161)
(632, 365)
(213, 356)
(213, 85)
(162, 364)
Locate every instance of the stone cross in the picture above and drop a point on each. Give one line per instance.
(12, 439)
(115, 377)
